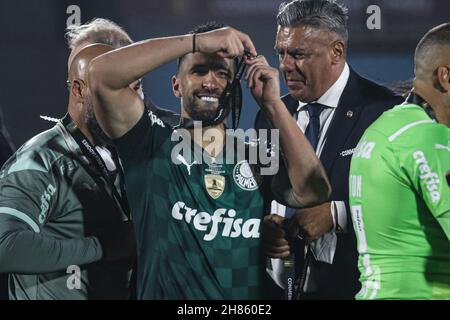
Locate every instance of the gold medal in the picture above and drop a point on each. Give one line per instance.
(215, 185)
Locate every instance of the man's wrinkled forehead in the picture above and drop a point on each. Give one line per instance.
(299, 37)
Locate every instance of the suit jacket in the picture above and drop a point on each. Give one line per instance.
(361, 103)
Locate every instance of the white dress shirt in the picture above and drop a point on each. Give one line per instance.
(325, 247)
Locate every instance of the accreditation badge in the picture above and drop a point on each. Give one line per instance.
(215, 184)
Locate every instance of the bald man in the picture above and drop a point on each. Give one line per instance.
(399, 186)
(64, 229)
(80, 104)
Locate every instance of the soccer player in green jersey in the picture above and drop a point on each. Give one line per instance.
(198, 222)
(399, 186)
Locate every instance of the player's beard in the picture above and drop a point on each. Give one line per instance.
(93, 126)
(196, 112)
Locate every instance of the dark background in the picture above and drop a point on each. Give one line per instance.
(33, 51)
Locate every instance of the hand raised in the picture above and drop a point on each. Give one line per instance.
(263, 81)
(226, 42)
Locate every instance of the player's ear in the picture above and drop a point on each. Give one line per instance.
(443, 77)
(77, 87)
(176, 87)
(337, 52)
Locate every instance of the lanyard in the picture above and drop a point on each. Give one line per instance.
(94, 157)
(296, 266)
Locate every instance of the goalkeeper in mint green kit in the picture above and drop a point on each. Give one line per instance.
(399, 186)
(198, 224)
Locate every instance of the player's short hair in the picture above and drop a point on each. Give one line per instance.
(98, 30)
(318, 14)
(431, 45)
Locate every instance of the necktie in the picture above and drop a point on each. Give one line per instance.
(313, 129)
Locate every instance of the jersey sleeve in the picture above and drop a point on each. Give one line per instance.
(28, 252)
(426, 163)
(28, 194)
(138, 144)
(28, 199)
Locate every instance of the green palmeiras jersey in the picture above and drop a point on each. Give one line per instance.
(197, 224)
(400, 203)
(53, 211)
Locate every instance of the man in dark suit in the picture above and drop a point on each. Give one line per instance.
(333, 105)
